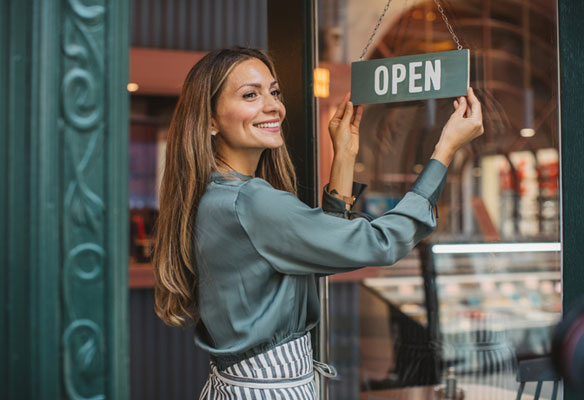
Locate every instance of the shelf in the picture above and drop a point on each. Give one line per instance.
(141, 276)
(466, 278)
(159, 71)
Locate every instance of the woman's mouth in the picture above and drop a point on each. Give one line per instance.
(270, 126)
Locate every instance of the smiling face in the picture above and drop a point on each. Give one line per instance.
(249, 112)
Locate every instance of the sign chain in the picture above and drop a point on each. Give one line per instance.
(440, 9)
(454, 37)
(375, 30)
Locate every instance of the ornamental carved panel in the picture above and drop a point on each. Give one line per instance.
(82, 125)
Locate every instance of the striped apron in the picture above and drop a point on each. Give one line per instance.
(286, 372)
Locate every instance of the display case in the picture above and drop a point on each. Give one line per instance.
(478, 308)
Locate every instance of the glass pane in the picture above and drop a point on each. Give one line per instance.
(481, 295)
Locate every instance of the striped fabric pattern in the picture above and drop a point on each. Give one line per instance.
(284, 373)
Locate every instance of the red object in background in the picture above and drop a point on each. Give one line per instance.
(505, 179)
(140, 229)
(548, 175)
(487, 227)
(521, 173)
(476, 314)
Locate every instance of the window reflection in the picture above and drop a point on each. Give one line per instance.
(479, 314)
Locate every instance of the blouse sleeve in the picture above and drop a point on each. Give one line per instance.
(297, 239)
(334, 206)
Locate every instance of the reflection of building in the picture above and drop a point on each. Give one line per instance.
(66, 329)
(507, 45)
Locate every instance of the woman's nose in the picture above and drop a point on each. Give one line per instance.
(272, 104)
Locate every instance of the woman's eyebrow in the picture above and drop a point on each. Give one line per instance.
(257, 85)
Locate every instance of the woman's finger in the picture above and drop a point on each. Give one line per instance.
(461, 109)
(475, 104)
(342, 106)
(358, 115)
(348, 115)
(468, 112)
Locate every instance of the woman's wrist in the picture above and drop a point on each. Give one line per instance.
(344, 157)
(341, 178)
(444, 153)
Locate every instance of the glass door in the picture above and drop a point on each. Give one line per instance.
(479, 297)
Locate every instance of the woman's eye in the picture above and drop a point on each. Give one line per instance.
(276, 92)
(249, 95)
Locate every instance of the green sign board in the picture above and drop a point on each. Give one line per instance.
(417, 77)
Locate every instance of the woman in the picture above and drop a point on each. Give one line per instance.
(236, 251)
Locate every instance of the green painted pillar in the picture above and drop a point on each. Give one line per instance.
(571, 14)
(63, 207)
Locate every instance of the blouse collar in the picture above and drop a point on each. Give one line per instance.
(217, 175)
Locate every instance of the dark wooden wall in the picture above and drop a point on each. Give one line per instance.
(164, 361)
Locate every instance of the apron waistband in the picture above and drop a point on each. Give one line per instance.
(241, 376)
(320, 369)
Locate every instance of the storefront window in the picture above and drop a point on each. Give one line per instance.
(482, 294)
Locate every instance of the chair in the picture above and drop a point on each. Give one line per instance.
(537, 370)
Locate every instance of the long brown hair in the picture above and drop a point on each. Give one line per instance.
(191, 155)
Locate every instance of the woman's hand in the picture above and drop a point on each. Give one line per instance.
(464, 125)
(344, 129)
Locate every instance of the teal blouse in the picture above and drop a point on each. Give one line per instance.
(258, 249)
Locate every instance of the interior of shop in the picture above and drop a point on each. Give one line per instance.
(482, 294)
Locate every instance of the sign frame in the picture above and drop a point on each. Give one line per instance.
(409, 78)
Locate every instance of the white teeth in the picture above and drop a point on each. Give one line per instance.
(269, 125)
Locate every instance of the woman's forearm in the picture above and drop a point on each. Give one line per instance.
(341, 178)
(443, 153)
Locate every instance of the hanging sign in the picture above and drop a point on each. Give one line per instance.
(417, 77)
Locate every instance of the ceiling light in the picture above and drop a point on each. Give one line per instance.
(527, 132)
(133, 87)
(321, 82)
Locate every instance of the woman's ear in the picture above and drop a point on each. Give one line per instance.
(213, 128)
